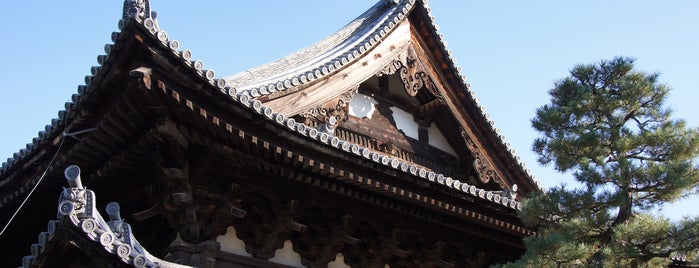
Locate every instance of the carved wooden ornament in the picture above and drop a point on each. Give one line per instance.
(334, 111)
(412, 72)
(484, 169)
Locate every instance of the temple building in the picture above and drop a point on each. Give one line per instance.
(365, 149)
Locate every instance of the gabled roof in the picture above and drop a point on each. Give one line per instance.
(299, 69)
(330, 56)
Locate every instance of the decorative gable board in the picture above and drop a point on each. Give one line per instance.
(414, 111)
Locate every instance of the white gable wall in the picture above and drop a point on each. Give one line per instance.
(362, 106)
(287, 256)
(437, 140)
(405, 122)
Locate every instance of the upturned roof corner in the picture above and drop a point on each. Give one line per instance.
(78, 215)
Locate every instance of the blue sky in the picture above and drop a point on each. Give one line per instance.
(510, 51)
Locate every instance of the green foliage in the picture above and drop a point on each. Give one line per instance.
(607, 124)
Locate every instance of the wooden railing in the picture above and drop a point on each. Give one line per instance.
(405, 155)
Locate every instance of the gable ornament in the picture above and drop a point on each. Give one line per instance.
(413, 73)
(332, 113)
(484, 169)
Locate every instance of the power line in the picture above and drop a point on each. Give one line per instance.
(53, 158)
(63, 138)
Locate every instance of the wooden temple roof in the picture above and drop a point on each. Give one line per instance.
(306, 66)
(314, 65)
(241, 109)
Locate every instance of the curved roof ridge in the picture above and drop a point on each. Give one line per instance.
(326, 56)
(312, 52)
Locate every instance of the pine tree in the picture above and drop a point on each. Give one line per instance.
(608, 126)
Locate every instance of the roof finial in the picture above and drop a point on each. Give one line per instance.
(139, 9)
(72, 174)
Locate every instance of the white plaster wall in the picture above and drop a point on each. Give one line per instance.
(231, 243)
(287, 256)
(339, 262)
(437, 140)
(405, 122)
(362, 106)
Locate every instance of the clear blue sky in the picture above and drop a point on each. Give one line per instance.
(510, 51)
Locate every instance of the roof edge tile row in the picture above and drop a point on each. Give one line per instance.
(377, 23)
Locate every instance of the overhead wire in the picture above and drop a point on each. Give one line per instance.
(43, 174)
(53, 158)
